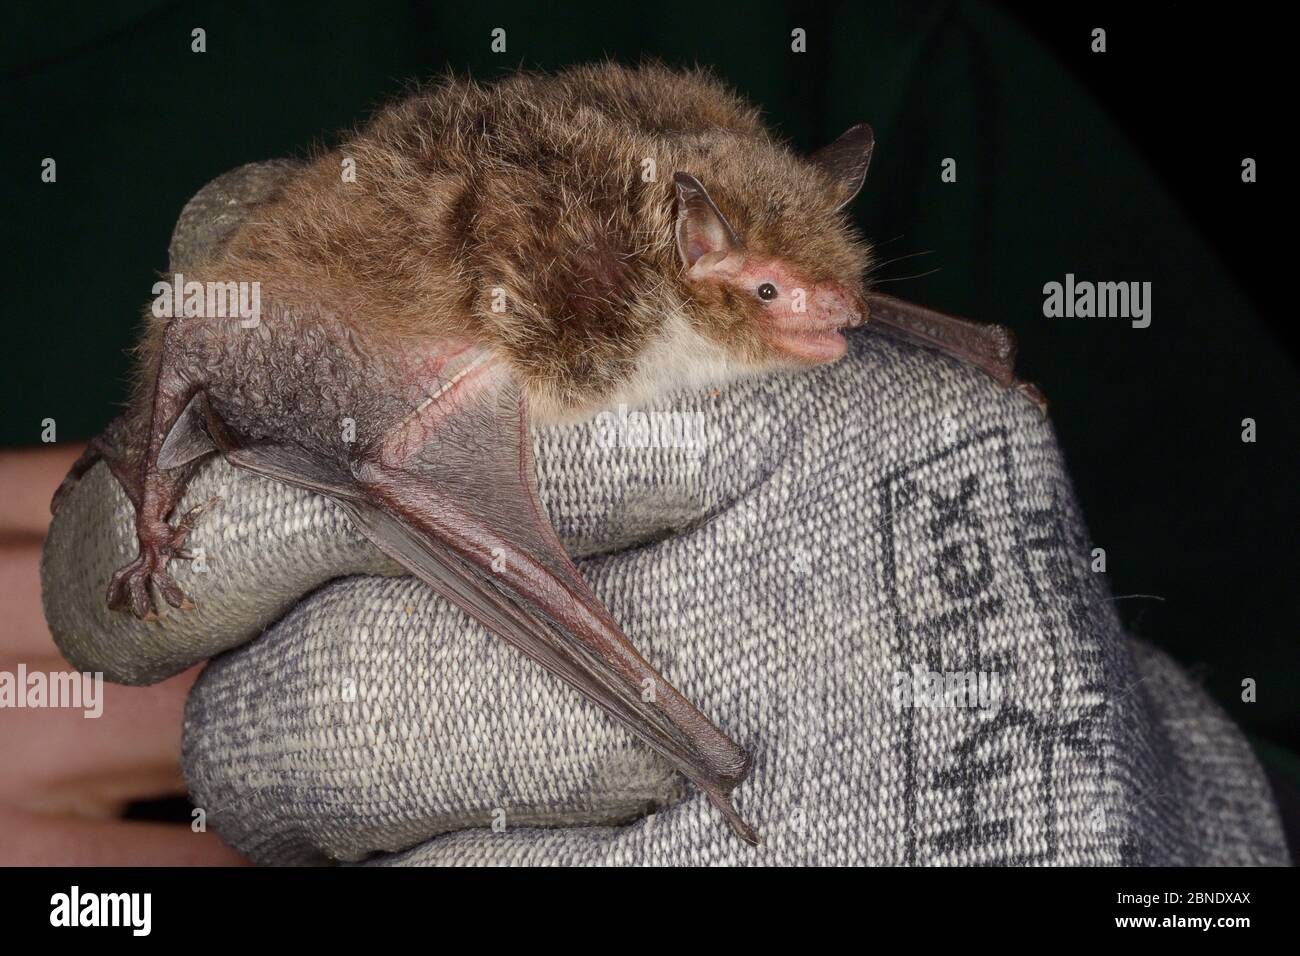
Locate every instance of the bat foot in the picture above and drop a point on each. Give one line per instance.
(159, 543)
(129, 586)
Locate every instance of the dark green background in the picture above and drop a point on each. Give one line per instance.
(1050, 181)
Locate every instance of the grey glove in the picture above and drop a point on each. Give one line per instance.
(872, 575)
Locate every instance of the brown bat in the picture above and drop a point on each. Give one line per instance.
(528, 251)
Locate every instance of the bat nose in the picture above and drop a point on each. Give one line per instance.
(859, 316)
(855, 310)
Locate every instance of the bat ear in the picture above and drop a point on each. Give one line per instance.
(702, 230)
(846, 160)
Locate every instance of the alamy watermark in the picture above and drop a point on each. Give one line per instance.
(1084, 299)
(61, 689)
(212, 300)
(626, 428)
(74, 908)
(948, 690)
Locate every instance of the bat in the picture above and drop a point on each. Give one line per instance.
(479, 258)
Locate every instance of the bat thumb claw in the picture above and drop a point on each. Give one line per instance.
(738, 825)
(1035, 395)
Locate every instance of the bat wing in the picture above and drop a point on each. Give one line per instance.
(991, 348)
(449, 493)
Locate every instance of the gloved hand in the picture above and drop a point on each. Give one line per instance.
(873, 576)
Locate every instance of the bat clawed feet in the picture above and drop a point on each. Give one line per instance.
(159, 543)
(129, 586)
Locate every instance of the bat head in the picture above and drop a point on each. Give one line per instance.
(776, 277)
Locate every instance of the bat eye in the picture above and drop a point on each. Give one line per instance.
(767, 292)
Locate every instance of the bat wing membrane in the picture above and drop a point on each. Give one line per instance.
(450, 494)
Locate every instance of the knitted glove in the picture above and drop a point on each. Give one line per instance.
(873, 576)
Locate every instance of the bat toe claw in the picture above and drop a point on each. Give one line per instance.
(129, 587)
(171, 591)
(187, 522)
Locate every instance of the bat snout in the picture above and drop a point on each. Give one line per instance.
(813, 334)
(847, 310)
(859, 313)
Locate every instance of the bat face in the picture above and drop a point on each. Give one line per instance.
(767, 310)
(789, 318)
